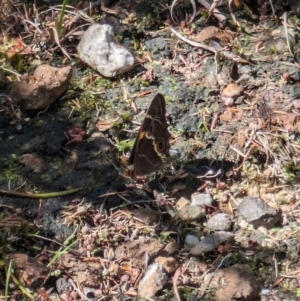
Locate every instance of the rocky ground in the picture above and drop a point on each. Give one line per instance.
(219, 221)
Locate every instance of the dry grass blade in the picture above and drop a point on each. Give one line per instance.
(103, 126)
(174, 281)
(76, 288)
(214, 5)
(196, 44)
(215, 12)
(193, 43)
(232, 14)
(174, 2)
(286, 32)
(172, 9)
(56, 39)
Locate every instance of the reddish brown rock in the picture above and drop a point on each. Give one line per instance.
(29, 271)
(230, 94)
(136, 250)
(237, 283)
(38, 91)
(168, 263)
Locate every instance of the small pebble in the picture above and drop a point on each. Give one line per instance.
(191, 240)
(211, 242)
(153, 281)
(201, 199)
(219, 222)
(190, 212)
(168, 263)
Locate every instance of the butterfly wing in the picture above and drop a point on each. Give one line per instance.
(152, 142)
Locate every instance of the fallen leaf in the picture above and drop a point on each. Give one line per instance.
(213, 32)
(289, 121)
(103, 126)
(13, 46)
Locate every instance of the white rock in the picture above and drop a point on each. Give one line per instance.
(100, 50)
(154, 280)
(201, 199)
(219, 222)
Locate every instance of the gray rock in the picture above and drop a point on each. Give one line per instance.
(100, 50)
(219, 222)
(146, 215)
(190, 213)
(211, 242)
(258, 213)
(62, 285)
(191, 240)
(154, 280)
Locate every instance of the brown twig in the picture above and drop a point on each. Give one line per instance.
(174, 281)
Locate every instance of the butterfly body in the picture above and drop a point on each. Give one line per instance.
(151, 146)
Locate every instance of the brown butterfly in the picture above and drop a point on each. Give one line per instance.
(151, 146)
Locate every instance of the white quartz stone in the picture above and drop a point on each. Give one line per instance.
(100, 50)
